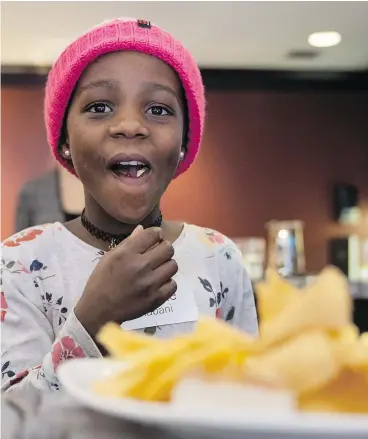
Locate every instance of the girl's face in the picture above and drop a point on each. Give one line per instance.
(125, 133)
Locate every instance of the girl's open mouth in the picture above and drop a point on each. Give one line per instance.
(131, 168)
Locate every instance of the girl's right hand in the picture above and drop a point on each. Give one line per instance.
(131, 280)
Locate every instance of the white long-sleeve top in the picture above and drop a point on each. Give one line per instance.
(44, 271)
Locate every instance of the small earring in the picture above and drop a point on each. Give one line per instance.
(182, 155)
(67, 152)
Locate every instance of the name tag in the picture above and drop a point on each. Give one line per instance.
(180, 308)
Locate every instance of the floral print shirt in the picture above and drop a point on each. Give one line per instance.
(44, 271)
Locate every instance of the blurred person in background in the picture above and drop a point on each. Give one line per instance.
(56, 196)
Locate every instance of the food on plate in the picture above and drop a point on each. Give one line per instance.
(308, 354)
(153, 371)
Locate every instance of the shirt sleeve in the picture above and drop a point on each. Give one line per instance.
(238, 308)
(30, 352)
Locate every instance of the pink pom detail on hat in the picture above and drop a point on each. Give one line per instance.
(113, 36)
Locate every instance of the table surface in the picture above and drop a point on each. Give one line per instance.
(36, 415)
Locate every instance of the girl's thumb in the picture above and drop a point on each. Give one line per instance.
(137, 230)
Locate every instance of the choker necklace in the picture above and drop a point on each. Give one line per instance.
(113, 240)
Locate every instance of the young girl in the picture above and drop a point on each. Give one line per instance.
(124, 111)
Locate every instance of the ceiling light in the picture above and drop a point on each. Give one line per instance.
(324, 39)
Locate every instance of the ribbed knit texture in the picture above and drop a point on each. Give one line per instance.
(115, 36)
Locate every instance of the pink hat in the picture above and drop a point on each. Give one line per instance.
(123, 34)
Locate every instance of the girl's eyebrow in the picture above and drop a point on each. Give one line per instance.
(155, 86)
(102, 83)
(114, 85)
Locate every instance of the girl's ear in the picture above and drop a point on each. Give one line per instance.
(65, 152)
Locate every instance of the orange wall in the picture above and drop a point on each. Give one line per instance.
(24, 152)
(265, 155)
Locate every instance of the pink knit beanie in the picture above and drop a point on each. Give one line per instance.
(117, 35)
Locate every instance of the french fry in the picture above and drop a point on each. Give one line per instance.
(304, 362)
(347, 393)
(325, 305)
(121, 344)
(273, 295)
(145, 366)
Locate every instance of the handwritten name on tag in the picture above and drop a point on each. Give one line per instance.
(180, 308)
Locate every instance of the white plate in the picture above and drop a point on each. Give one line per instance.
(77, 377)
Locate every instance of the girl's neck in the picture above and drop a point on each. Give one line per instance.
(99, 218)
(103, 221)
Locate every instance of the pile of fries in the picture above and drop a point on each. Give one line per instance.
(307, 346)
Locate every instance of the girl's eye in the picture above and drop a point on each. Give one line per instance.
(99, 107)
(158, 110)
